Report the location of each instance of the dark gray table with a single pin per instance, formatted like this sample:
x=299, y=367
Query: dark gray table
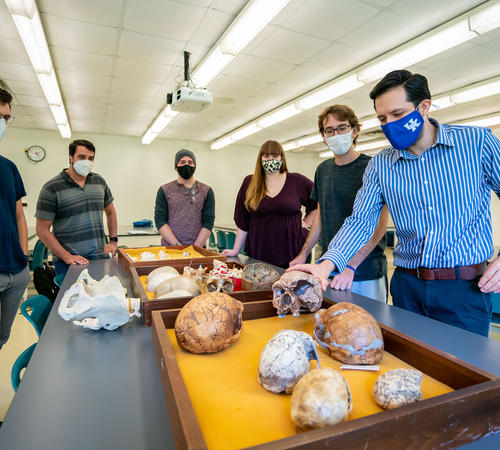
x=101, y=390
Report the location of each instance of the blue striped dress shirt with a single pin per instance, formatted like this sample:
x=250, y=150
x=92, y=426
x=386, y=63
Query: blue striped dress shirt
x=439, y=202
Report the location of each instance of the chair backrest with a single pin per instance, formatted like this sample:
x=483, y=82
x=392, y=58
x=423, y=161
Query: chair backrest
x=19, y=364
x=221, y=240
x=40, y=253
x=40, y=309
x=59, y=279
x=230, y=238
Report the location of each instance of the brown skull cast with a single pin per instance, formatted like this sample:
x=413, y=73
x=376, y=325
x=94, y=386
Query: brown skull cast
x=350, y=333
x=295, y=290
x=209, y=323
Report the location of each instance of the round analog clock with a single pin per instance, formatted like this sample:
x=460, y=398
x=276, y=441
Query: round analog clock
x=35, y=153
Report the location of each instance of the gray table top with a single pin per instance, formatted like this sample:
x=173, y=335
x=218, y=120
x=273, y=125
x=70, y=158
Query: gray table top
x=99, y=389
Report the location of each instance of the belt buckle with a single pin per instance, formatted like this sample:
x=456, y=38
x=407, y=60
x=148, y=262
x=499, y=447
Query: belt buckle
x=418, y=273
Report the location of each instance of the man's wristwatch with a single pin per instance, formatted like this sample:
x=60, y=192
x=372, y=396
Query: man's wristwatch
x=113, y=239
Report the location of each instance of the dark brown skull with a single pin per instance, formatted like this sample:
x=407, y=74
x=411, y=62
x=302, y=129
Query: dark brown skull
x=295, y=290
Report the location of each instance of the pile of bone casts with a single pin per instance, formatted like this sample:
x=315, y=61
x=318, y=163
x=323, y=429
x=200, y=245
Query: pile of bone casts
x=321, y=397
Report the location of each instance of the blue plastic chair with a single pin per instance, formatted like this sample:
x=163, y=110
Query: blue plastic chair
x=40, y=253
x=40, y=309
x=21, y=363
x=221, y=240
x=59, y=279
x=230, y=238
x=212, y=245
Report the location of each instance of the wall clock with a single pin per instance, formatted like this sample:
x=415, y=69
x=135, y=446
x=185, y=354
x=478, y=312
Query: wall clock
x=36, y=153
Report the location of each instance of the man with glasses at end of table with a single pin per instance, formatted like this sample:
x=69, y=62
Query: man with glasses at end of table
x=14, y=273
x=336, y=182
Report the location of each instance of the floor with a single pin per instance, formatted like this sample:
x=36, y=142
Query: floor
x=23, y=335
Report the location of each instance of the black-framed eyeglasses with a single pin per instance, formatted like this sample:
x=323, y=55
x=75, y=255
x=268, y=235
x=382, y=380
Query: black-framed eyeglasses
x=341, y=129
x=8, y=119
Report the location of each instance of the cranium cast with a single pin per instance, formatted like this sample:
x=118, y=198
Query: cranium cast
x=158, y=276
x=98, y=304
x=320, y=399
x=295, y=290
x=209, y=323
x=398, y=387
x=350, y=333
x=181, y=282
x=285, y=360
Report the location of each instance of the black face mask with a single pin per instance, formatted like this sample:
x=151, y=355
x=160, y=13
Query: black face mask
x=186, y=171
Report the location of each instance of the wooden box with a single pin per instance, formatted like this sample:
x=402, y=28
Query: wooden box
x=147, y=305
x=127, y=262
x=470, y=412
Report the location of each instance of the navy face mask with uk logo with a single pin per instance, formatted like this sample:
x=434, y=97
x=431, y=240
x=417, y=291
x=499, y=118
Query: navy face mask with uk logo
x=403, y=133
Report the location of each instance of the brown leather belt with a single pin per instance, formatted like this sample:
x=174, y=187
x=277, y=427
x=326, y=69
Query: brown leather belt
x=453, y=273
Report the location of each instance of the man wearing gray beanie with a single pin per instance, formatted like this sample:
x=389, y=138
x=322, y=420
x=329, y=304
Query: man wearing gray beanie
x=185, y=208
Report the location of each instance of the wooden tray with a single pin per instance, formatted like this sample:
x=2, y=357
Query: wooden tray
x=208, y=256
x=468, y=413
x=148, y=305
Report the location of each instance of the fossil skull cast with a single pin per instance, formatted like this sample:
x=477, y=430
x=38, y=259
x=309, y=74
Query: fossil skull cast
x=350, y=333
x=285, y=360
x=295, y=290
x=98, y=304
x=209, y=323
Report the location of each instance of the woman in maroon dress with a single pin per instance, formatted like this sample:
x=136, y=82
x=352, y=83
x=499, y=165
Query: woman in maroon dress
x=268, y=209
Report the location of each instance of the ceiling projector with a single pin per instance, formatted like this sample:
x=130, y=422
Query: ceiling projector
x=189, y=97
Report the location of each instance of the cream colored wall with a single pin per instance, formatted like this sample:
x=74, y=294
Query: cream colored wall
x=134, y=171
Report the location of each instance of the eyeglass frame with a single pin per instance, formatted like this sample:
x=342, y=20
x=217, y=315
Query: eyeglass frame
x=8, y=120
x=336, y=130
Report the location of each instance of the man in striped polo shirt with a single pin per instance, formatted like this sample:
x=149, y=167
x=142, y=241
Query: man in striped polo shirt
x=436, y=181
x=72, y=203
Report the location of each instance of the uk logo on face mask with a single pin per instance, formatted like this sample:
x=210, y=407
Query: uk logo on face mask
x=412, y=125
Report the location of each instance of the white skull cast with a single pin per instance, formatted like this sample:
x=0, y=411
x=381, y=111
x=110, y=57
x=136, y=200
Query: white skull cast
x=295, y=290
x=98, y=304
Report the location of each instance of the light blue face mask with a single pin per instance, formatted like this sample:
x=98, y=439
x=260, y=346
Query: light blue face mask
x=403, y=133
x=3, y=127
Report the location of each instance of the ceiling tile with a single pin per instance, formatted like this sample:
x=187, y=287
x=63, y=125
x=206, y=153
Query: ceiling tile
x=331, y=19
x=134, y=88
x=17, y=72
x=25, y=88
x=93, y=11
x=165, y=18
x=131, y=69
x=78, y=80
x=144, y=47
x=87, y=37
x=38, y=102
x=211, y=27
x=260, y=69
x=290, y=47
x=229, y=85
x=13, y=51
x=78, y=61
x=8, y=29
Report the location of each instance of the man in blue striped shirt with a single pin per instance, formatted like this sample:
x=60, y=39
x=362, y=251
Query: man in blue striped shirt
x=436, y=181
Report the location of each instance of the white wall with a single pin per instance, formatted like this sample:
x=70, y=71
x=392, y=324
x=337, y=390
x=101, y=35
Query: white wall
x=134, y=171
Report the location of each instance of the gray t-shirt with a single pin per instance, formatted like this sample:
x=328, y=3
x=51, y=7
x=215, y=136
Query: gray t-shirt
x=335, y=188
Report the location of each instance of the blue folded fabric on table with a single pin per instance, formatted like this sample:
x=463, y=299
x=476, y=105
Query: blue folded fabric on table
x=143, y=223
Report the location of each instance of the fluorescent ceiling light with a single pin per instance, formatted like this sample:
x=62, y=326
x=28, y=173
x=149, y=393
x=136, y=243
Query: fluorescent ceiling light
x=289, y=146
x=245, y=131
x=278, y=116
x=221, y=143
x=369, y=123
x=326, y=154
x=27, y=19
x=442, y=102
x=148, y=137
x=436, y=43
x=476, y=92
x=160, y=122
x=211, y=66
x=250, y=22
x=314, y=139
x=65, y=130
x=373, y=144
x=483, y=122
x=333, y=90
x=486, y=20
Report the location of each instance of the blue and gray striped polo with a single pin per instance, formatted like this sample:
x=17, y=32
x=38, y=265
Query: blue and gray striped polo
x=76, y=212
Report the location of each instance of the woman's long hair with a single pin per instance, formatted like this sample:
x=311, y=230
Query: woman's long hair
x=257, y=188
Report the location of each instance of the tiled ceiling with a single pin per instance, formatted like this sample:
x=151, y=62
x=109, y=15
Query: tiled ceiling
x=116, y=60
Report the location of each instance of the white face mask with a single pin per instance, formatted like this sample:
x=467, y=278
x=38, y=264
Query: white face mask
x=3, y=126
x=339, y=144
x=83, y=167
